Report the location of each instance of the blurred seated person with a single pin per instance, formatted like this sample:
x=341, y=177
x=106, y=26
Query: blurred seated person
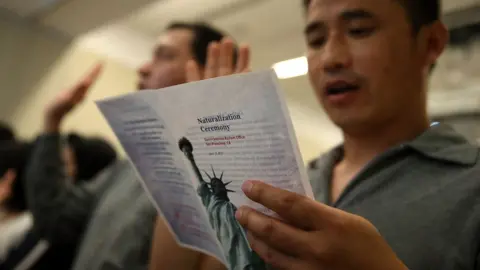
x=21, y=246
x=85, y=157
x=15, y=220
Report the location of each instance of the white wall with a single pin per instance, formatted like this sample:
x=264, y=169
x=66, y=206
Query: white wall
x=26, y=53
x=73, y=64
x=35, y=65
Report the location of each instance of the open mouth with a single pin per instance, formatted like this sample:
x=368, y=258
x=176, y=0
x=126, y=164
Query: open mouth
x=340, y=88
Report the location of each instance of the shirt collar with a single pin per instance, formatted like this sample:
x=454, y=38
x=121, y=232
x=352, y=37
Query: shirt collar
x=441, y=142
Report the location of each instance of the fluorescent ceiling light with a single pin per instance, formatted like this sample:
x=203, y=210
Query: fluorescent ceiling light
x=291, y=68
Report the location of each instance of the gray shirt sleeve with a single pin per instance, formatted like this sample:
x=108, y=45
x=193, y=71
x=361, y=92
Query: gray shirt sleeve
x=61, y=211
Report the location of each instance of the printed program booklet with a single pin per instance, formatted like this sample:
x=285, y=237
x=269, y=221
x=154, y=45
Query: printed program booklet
x=193, y=146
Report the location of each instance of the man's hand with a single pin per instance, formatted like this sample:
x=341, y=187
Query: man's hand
x=312, y=235
x=68, y=99
x=220, y=62
x=6, y=185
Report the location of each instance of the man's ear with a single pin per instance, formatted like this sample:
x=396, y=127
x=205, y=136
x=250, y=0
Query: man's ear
x=436, y=39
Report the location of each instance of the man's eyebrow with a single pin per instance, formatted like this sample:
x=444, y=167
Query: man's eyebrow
x=356, y=14
x=162, y=48
x=313, y=26
x=347, y=15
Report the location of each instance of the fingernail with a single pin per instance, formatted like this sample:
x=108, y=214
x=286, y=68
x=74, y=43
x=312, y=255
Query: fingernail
x=238, y=214
x=247, y=186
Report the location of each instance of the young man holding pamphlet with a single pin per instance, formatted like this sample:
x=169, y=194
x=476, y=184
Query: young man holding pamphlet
x=398, y=193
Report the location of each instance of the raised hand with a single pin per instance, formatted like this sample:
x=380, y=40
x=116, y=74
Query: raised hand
x=66, y=100
x=6, y=184
x=312, y=235
x=220, y=61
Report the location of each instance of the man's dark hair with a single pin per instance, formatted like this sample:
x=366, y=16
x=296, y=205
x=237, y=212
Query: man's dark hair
x=420, y=12
x=92, y=155
x=6, y=132
x=15, y=155
x=203, y=35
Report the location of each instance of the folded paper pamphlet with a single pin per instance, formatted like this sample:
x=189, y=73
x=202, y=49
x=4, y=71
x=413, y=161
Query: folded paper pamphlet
x=193, y=145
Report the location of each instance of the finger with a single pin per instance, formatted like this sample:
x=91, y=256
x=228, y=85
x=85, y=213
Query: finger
x=80, y=90
x=3, y=195
x=243, y=61
x=298, y=210
x=273, y=232
x=9, y=177
x=91, y=77
x=211, y=66
x=193, y=71
x=94, y=73
x=272, y=256
x=6, y=183
x=226, y=57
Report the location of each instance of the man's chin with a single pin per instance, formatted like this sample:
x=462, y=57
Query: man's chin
x=354, y=125
x=345, y=119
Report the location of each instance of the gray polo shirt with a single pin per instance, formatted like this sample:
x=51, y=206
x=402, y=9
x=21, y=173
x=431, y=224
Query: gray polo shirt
x=423, y=196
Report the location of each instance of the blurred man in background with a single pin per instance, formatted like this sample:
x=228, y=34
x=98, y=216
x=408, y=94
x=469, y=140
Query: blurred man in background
x=398, y=194
x=111, y=217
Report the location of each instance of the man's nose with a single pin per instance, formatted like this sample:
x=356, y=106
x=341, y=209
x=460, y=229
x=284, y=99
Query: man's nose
x=145, y=69
x=336, y=55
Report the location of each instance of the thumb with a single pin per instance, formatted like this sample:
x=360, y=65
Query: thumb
x=296, y=209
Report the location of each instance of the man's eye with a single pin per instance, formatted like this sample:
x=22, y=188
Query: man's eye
x=165, y=55
x=361, y=31
x=316, y=42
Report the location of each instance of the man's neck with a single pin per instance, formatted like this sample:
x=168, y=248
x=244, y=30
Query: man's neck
x=361, y=148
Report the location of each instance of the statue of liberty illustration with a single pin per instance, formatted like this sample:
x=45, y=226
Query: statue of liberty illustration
x=221, y=212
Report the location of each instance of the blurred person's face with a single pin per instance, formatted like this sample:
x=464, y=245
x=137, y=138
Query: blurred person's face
x=69, y=161
x=167, y=66
x=365, y=63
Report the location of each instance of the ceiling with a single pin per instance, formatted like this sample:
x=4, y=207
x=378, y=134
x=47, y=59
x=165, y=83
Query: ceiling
x=126, y=33
x=29, y=8
x=72, y=17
